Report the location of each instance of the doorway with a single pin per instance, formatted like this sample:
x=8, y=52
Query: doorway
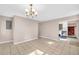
x=68, y=30
x=71, y=31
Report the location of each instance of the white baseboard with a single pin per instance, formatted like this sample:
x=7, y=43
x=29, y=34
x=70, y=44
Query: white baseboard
x=44, y=37
x=5, y=42
x=15, y=43
x=48, y=38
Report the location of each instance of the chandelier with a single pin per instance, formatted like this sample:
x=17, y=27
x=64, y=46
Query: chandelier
x=31, y=12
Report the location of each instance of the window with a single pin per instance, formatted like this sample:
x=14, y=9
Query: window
x=8, y=24
x=60, y=26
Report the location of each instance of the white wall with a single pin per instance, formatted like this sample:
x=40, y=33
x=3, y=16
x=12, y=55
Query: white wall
x=64, y=27
x=5, y=35
x=24, y=29
x=49, y=29
x=77, y=29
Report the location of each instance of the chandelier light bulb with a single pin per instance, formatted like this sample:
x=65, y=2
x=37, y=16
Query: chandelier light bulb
x=31, y=11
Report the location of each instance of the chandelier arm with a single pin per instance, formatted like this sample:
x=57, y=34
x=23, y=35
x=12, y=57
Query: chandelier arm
x=31, y=12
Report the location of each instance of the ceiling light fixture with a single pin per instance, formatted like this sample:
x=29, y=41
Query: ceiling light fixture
x=31, y=12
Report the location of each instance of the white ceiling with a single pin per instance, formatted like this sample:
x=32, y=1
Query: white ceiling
x=45, y=11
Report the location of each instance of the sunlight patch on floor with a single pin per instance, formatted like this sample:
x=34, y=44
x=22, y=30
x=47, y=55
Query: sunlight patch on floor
x=37, y=52
x=50, y=43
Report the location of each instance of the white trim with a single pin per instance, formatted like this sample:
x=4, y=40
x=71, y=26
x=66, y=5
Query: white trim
x=15, y=43
x=44, y=37
x=5, y=42
x=48, y=38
